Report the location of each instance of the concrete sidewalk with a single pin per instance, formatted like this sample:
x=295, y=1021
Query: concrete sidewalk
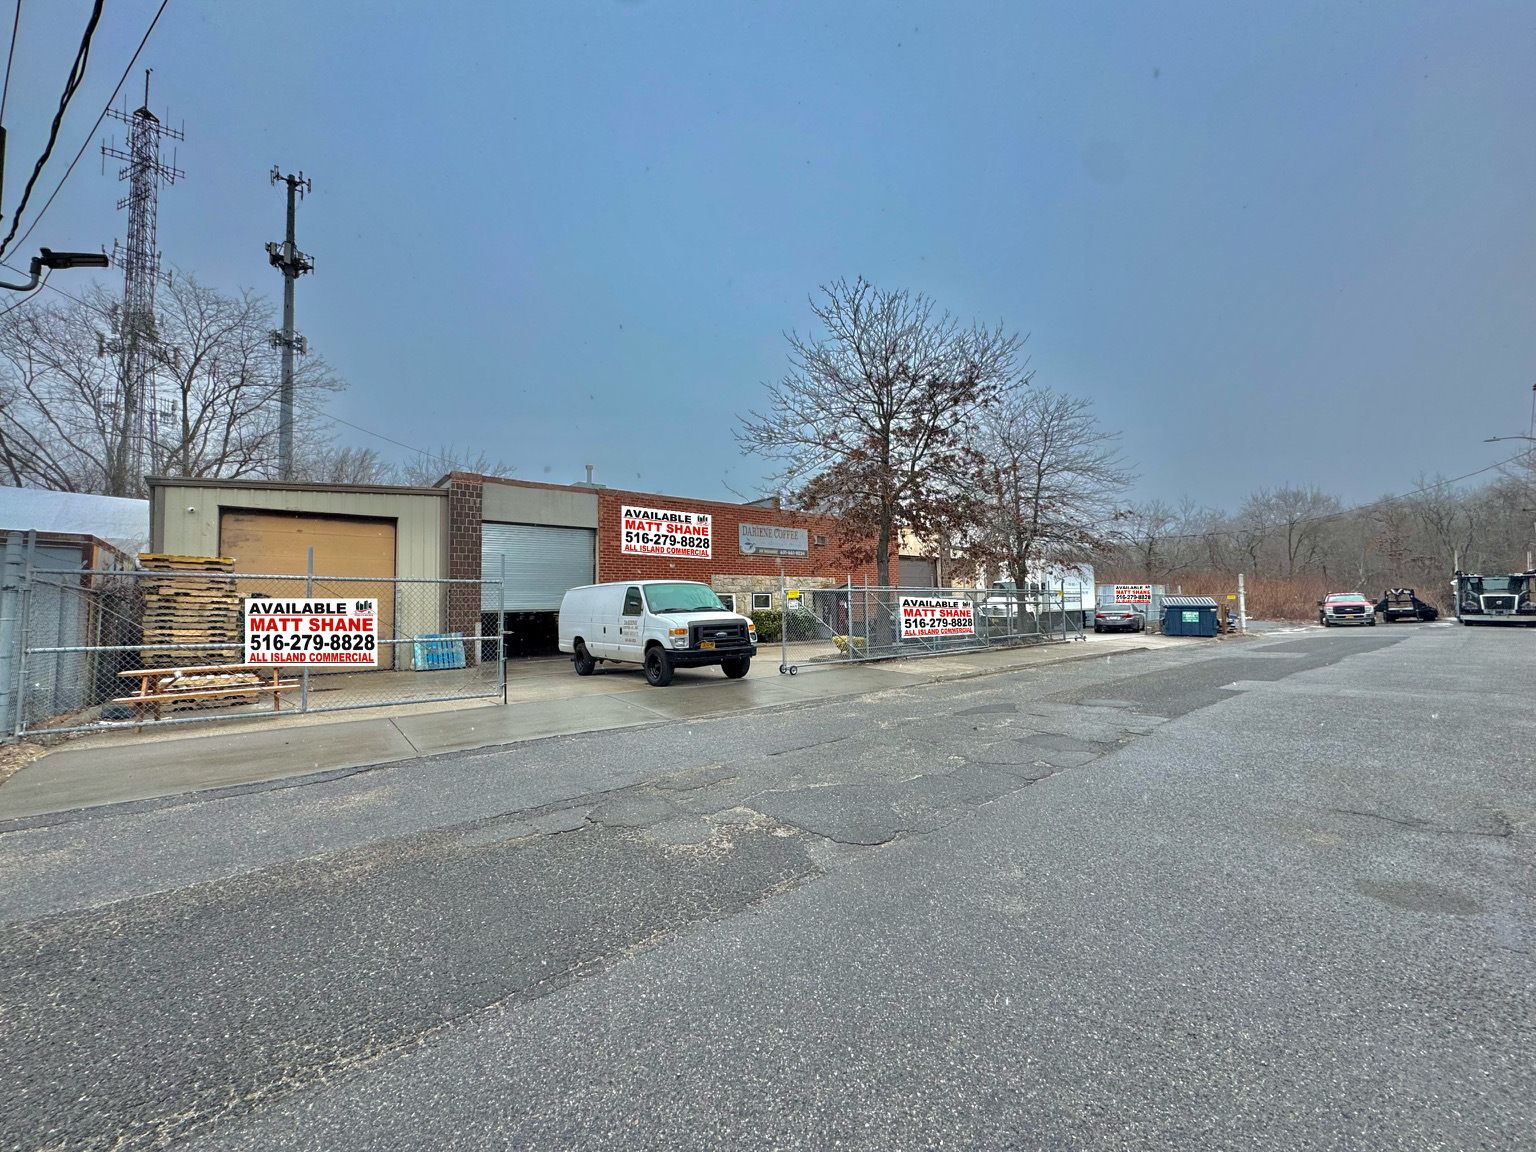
x=544, y=698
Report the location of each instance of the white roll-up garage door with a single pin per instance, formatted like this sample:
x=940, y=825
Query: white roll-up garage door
x=542, y=562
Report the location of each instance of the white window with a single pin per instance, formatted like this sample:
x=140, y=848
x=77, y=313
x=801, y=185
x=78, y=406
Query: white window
x=761, y=600
x=728, y=599
x=821, y=541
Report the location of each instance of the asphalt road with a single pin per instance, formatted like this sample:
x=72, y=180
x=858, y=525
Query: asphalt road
x=1267, y=894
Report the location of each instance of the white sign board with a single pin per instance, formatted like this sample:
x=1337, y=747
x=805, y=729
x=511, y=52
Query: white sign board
x=1133, y=593
x=309, y=631
x=771, y=540
x=657, y=532
x=923, y=616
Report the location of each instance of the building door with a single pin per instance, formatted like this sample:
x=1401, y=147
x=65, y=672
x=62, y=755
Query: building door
x=542, y=561
x=917, y=572
x=278, y=543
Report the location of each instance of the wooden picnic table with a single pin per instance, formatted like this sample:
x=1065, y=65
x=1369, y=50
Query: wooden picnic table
x=150, y=694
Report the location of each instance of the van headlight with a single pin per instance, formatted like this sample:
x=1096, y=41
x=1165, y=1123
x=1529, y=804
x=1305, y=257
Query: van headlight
x=679, y=637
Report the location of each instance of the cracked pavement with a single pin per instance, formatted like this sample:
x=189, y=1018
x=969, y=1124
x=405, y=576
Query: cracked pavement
x=1268, y=894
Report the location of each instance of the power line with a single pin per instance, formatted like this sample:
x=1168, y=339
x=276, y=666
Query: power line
x=313, y=407
x=71, y=84
x=10, y=56
x=91, y=135
x=1180, y=536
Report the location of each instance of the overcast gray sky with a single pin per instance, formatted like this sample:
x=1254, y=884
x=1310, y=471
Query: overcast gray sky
x=1275, y=242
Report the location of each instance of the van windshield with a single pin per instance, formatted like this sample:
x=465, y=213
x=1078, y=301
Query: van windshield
x=682, y=598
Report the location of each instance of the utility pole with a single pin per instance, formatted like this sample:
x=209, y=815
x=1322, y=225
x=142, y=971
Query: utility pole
x=134, y=407
x=292, y=263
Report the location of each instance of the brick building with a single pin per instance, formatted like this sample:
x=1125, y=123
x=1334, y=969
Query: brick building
x=549, y=537
x=536, y=540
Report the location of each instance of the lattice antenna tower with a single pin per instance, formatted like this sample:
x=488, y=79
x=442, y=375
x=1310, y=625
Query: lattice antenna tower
x=135, y=404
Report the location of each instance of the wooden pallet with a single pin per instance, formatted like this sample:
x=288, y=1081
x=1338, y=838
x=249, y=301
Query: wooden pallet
x=164, y=562
x=196, y=602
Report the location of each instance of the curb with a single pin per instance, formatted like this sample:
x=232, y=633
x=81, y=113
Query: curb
x=325, y=776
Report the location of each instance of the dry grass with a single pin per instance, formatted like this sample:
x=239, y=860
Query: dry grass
x=1268, y=599
x=15, y=757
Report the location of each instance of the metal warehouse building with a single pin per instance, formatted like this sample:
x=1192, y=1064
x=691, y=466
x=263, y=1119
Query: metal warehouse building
x=544, y=537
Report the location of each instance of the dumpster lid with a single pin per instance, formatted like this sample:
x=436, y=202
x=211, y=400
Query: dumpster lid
x=1188, y=602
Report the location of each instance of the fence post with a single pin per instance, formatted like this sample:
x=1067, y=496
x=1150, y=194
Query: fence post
x=24, y=630
x=868, y=638
x=501, y=627
x=1242, y=605
x=849, y=602
x=309, y=591
x=783, y=621
x=396, y=662
x=10, y=611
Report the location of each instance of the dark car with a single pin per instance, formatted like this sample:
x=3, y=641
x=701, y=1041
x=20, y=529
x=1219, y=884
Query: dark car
x=1119, y=618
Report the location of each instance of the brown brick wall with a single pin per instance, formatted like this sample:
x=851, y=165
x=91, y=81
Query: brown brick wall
x=726, y=558
x=464, y=503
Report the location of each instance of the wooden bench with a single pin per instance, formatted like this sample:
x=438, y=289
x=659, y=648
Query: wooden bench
x=152, y=695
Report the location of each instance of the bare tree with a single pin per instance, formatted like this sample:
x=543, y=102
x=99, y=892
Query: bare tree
x=870, y=422
x=426, y=468
x=1048, y=475
x=217, y=389
x=1296, y=518
x=344, y=465
x=1145, y=538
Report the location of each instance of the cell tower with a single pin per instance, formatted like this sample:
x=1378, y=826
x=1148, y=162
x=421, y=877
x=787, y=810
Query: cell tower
x=135, y=405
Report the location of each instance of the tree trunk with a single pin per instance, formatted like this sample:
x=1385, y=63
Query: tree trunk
x=883, y=550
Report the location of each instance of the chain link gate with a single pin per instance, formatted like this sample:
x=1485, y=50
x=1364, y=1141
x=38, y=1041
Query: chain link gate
x=825, y=627
x=76, y=645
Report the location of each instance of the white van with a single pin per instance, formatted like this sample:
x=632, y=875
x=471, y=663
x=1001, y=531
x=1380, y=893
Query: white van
x=661, y=624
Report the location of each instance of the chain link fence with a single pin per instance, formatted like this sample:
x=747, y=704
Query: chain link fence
x=76, y=648
x=824, y=627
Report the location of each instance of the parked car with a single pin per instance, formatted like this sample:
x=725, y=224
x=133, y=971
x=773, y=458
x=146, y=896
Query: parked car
x=661, y=625
x=1119, y=618
x=1346, y=608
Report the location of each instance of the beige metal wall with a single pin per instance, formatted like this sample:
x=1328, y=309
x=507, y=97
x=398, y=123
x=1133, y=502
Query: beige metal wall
x=184, y=516
x=513, y=503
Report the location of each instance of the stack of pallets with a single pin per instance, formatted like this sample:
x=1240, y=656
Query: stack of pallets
x=198, y=605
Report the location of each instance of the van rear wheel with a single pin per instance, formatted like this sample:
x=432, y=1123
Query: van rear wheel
x=584, y=661
x=658, y=667
x=736, y=669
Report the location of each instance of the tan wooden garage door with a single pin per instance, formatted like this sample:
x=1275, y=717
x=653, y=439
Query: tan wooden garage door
x=278, y=543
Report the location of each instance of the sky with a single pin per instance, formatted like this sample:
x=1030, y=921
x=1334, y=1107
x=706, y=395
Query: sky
x=1274, y=243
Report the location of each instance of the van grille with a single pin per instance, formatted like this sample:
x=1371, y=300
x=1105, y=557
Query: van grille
x=724, y=634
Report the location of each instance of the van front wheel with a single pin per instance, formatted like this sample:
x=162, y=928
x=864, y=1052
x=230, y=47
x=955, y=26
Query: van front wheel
x=736, y=669
x=584, y=661
x=658, y=667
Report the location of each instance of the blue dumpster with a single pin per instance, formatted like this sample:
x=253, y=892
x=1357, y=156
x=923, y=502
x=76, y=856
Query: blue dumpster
x=1189, y=616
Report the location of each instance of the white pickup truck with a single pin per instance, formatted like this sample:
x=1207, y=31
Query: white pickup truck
x=1346, y=608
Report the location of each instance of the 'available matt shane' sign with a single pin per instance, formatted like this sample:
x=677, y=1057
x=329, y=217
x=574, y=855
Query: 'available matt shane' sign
x=655, y=532
x=935, y=616
x=312, y=632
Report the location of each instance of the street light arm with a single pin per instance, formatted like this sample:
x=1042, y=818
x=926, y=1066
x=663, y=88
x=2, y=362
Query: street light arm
x=1496, y=439
x=36, y=270
x=50, y=259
